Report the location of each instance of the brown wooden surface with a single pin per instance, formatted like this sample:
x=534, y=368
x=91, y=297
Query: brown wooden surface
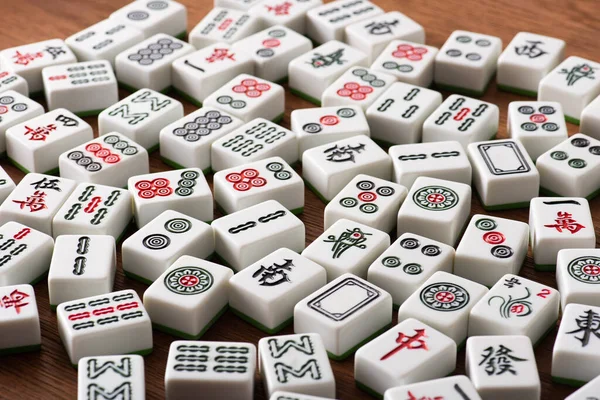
x=48, y=374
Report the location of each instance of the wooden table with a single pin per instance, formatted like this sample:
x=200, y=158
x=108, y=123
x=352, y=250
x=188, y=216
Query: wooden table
x=48, y=373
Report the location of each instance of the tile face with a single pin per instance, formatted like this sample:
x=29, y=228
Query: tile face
x=107, y=160
x=397, y=116
x=256, y=140
x=186, y=143
x=451, y=388
x=371, y=36
x=587, y=392
x=408, y=61
x=210, y=368
x=28, y=60
x=242, y=5
x=573, y=84
x=490, y=248
x=265, y=293
x=223, y=25
x=526, y=60
x=250, y=184
x=19, y=319
x=463, y=119
x=578, y=276
x=35, y=145
x=147, y=64
x=467, y=62
x=35, y=201
x=104, y=41
x=114, y=323
x=557, y=223
x=407, y=263
x=12, y=81
x=590, y=119
x=282, y=395
x=516, y=306
x=7, y=185
x=435, y=208
x=246, y=236
x=501, y=366
x=15, y=109
x=140, y=117
x=289, y=13
x=347, y=312
x=409, y=352
x=82, y=266
x=347, y=247
x=311, y=73
x=328, y=22
x=371, y=201
x=111, y=376
x=444, y=301
x=571, y=168
x=154, y=16
x=188, y=297
x=442, y=160
x=330, y=167
x=297, y=363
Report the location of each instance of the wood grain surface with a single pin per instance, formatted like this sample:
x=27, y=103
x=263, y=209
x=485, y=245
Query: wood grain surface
x=48, y=374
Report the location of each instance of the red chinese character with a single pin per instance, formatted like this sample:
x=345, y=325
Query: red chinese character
x=414, y=342
x=35, y=202
x=25, y=59
x=220, y=55
x=14, y=299
x=39, y=133
x=281, y=9
x=564, y=220
x=413, y=397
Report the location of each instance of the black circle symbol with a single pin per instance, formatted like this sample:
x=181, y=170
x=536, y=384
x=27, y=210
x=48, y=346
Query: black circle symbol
x=238, y=104
x=473, y=56
x=312, y=127
x=577, y=163
x=348, y=202
x=346, y=112
x=178, y=225
x=365, y=185
x=5, y=100
x=157, y=5
x=75, y=155
x=274, y=166
x=463, y=39
x=93, y=167
x=265, y=53
x=283, y=175
x=156, y=241
x=138, y=15
x=483, y=42
x=529, y=126
x=501, y=251
x=224, y=99
x=391, y=262
x=410, y=243
x=405, y=68
x=19, y=107
x=190, y=175
x=486, y=224
x=360, y=72
x=595, y=150
x=277, y=33
x=559, y=155
x=111, y=139
x=129, y=151
x=412, y=269
x=369, y=208
x=184, y=191
x=550, y=127
x=454, y=53
x=527, y=110
x=186, y=183
x=431, y=250
x=580, y=142
x=385, y=191
x=547, y=110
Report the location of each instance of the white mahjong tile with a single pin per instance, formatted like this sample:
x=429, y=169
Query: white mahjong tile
x=111, y=376
x=457, y=387
x=154, y=16
x=11, y=81
x=290, y=13
x=15, y=108
x=223, y=25
x=19, y=320
x=409, y=62
x=577, y=276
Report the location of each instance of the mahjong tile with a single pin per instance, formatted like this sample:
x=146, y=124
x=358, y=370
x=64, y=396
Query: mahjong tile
x=409, y=62
x=7, y=185
x=107, y=160
x=407, y=263
x=84, y=88
x=588, y=392
x=189, y=297
x=272, y=50
x=28, y=61
x=246, y=236
x=289, y=13
x=185, y=191
x=109, y=324
x=264, y=294
x=578, y=276
x=372, y=35
x=357, y=86
x=435, y=208
x=255, y=140
x=36, y=144
x=371, y=201
x=573, y=84
x=311, y=73
x=155, y=247
x=347, y=312
x=466, y=62
x=326, y=169
x=397, y=116
x=282, y=395
x=409, y=352
x=457, y=387
x=463, y=119
x=154, y=16
x=223, y=25
x=557, y=223
x=140, y=117
x=490, y=248
x=11, y=81
x=94, y=210
x=147, y=64
x=249, y=184
x=15, y=108
x=297, y=363
x=526, y=60
x=442, y=160
x=503, y=367
x=516, y=306
x=444, y=301
x=242, y=5
x=81, y=266
x=538, y=125
x=347, y=247
x=571, y=168
x=248, y=97
x=111, y=376
x=322, y=125
x=35, y=201
x=328, y=22
x=212, y=369
x=590, y=119
x=19, y=320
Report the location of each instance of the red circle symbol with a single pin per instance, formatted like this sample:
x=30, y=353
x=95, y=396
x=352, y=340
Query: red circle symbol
x=233, y=177
x=112, y=158
x=367, y=196
x=160, y=182
x=250, y=173
x=239, y=89
x=242, y=186
x=263, y=87
x=143, y=185
x=164, y=191
x=445, y=297
x=258, y=182
x=189, y=280
x=253, y=93
x=493, y=237
x=3, y=109
x=329, y=120
x=249, y=82
x=409, y=52
x=591, y=270
x=271, y=43
x=93, y=147
x=436, y=198
x=103, y=153
x=538, y=118
x=146, y=194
